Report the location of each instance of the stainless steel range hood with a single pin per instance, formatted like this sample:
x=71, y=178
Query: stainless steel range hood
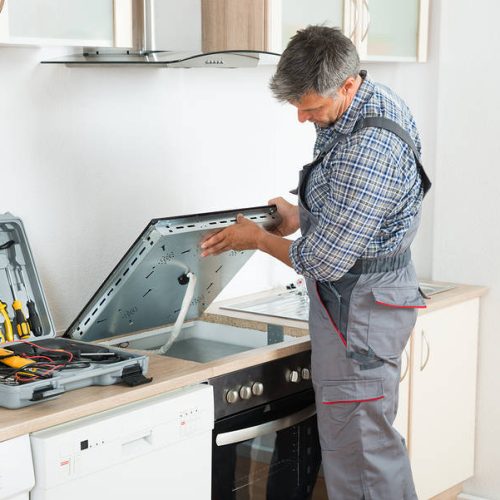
x=165, y=33
x=167, y=59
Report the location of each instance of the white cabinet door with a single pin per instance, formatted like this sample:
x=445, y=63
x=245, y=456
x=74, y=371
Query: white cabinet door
x=389, y=30
x=288, y=16
x=60, y=22
x=441, y=439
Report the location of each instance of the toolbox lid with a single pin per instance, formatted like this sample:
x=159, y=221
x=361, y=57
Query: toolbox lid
x=146, y=288
x=19, y=276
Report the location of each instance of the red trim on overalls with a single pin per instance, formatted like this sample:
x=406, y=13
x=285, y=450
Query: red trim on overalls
x=398, y=306
x=339, y=333
x=352, y=401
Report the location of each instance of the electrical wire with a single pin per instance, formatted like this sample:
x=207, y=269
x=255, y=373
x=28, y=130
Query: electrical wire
x=46, y=362
x=179, y=322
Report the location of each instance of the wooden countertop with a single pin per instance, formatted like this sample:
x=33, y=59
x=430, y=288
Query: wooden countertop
x=171, y=373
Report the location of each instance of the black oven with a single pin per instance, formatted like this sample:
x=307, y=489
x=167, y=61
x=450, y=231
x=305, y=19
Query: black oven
x=265, y=439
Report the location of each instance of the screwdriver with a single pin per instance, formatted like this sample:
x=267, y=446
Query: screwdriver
x=21, y=325
x=9, y=336
x=33, y=318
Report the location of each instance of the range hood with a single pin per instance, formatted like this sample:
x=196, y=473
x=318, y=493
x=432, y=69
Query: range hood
x=168, y=59
x=170, y=33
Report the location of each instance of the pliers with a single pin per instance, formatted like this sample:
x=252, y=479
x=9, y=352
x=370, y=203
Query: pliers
x=9, y=335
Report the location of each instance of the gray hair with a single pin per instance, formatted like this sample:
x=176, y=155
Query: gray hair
x=318, y=59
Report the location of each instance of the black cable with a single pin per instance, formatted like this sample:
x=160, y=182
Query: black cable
x=6, y=245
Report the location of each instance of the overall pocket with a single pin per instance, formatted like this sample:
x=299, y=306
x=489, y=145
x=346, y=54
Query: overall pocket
x=350, y=411
x=392, y=317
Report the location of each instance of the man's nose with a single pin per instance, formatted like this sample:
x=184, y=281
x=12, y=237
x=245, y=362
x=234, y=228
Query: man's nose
x=302, y=116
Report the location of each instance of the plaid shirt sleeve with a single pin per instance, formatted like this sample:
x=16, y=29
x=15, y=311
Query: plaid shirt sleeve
x=364, y=186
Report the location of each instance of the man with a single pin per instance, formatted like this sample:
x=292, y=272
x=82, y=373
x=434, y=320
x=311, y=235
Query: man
x=358, y=210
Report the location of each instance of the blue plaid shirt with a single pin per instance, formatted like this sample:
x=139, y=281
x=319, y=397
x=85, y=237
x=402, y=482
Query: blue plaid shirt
x=365, y=193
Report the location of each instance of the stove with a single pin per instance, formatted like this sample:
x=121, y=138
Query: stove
x=265, y=438
x=156, y=295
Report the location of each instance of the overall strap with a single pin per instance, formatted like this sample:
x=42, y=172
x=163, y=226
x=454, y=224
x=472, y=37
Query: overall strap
x=395, y=128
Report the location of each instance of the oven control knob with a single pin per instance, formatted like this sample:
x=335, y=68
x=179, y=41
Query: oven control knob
x=306, y=374
x=232, y=396
x=257, y=389
x=245, y=392
x=295, y=376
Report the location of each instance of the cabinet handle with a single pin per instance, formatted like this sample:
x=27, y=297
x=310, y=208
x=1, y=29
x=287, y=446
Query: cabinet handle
x=368, y=22
x=407, y=366
x=424, y=339
x=356, y=18
x=1, y=5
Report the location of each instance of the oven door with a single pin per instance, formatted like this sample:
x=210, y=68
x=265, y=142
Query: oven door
x=270, y=452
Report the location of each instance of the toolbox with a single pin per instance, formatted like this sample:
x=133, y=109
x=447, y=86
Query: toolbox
x=35, y=365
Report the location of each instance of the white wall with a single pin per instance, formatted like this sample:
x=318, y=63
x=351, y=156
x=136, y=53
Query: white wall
x=466, y=229
x=98, y=152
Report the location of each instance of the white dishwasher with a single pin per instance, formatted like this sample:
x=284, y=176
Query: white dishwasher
x=157, y=448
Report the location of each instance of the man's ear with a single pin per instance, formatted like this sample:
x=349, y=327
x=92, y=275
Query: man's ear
x=348, y=85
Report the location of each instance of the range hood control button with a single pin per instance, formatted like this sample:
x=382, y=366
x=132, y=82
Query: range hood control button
x=245, y=392
x=306, y=374
x=295, y=376
x=257, y=389
x=232, y=396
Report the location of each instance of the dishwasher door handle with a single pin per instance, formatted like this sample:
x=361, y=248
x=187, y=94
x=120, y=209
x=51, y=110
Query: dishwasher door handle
x=137, y=444
x=279, y=424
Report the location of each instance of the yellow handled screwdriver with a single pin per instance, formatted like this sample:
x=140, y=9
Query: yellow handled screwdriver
x=21, y=325
x=9, y=335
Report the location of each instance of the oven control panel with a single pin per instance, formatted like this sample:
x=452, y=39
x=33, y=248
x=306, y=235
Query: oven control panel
x=256, y=385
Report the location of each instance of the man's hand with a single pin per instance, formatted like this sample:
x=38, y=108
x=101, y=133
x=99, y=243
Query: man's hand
x=244, y=235
x=289, y=217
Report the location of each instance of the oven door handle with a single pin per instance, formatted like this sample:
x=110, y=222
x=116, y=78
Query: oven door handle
x=261, y=430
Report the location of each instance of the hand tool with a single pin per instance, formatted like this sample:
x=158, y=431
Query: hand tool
x=21, y=325
x=33, y=318
x=9, y=358
x=9, y=335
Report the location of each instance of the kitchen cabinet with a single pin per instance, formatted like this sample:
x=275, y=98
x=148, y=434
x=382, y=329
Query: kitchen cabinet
x=382, y=30
x=17, y=476
x=95, y=23
x=263, y=24
x=443, y=397
x=388, y=30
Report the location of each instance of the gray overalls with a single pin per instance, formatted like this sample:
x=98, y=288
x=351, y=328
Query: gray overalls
x=359, y=327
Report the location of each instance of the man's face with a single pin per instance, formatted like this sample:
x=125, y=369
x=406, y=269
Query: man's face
x=321, y=111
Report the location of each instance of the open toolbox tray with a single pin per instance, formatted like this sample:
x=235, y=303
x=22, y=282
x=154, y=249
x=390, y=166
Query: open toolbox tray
x=35, y=365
